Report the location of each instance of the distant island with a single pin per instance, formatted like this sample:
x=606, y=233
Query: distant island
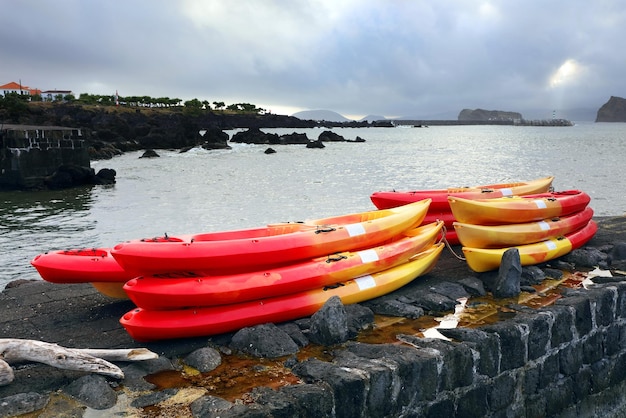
x=489, y=115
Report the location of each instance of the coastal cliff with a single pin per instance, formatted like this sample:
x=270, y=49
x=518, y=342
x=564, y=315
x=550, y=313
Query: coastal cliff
x=133, y=128
x=612, y=111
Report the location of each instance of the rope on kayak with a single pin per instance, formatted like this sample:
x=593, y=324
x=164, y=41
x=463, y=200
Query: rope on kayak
x=448, y=246
x=335, y=257
x=333, y=286
x=324, y=228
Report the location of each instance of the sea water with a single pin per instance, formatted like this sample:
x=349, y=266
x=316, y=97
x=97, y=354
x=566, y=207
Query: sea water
x=204, y=191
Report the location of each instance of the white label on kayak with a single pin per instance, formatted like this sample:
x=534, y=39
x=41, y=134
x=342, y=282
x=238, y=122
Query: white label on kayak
x=506, y=192
x=551, y=245
x=544, y=226
x=541, y=204
x=368, y=256
x=365, y=282
x=355, y=229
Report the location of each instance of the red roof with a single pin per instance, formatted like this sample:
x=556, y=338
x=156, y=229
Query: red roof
x=13, y=86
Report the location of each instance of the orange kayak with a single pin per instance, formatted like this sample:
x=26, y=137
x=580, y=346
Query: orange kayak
x=251, y=249
x=179, y=290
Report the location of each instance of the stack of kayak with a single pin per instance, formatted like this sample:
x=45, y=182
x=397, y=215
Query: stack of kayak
x=440, y=207
x=205, y=284
x=542, y=227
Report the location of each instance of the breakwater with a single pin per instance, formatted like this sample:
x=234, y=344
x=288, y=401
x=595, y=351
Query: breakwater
x=506, y=122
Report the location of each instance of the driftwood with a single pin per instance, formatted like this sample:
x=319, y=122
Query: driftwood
x=6, y=373
x=89, y=360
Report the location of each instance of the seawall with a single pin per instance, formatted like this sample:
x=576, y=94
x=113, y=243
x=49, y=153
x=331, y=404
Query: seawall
x=28, y=154
x=564, y=360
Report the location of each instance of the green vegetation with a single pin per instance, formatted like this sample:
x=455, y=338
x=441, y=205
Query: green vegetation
x=14, y=105
x=193, y=106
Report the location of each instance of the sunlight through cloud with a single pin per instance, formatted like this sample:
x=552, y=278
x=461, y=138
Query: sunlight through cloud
x=567, y=73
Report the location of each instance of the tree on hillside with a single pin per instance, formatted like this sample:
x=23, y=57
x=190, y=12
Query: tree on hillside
x=193, y=107
x=219, y=105
x=87, y=98
x=244, y=107
x=15, y=105
x=194, y=103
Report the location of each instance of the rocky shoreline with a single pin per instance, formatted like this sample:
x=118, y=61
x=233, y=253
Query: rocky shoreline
x=333, y=364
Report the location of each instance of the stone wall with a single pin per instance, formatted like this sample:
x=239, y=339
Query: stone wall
x=29, y=154
x=564, y=360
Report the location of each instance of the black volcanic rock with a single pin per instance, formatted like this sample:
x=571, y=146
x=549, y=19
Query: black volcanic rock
x=71, y=175
x=330, y=136
x=255, y=136
x=486, y=115
x=612, y=111
x=294, y=138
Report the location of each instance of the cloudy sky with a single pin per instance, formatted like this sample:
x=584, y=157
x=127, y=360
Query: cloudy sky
x=419, y=58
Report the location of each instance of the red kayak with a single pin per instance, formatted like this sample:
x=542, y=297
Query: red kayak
x=180, y=290
x=80, y=266
x=147, y=325
x=439, y=197
x=276, y=244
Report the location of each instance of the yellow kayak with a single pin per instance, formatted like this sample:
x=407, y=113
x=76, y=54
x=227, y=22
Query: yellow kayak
x=507, y=235
x=485, y=259
x=516, y=209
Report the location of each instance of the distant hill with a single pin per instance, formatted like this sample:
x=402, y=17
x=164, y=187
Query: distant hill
x=372, y=118
x=327, y=115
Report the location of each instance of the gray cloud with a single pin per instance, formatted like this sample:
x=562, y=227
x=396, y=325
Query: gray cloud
x=393, y=57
